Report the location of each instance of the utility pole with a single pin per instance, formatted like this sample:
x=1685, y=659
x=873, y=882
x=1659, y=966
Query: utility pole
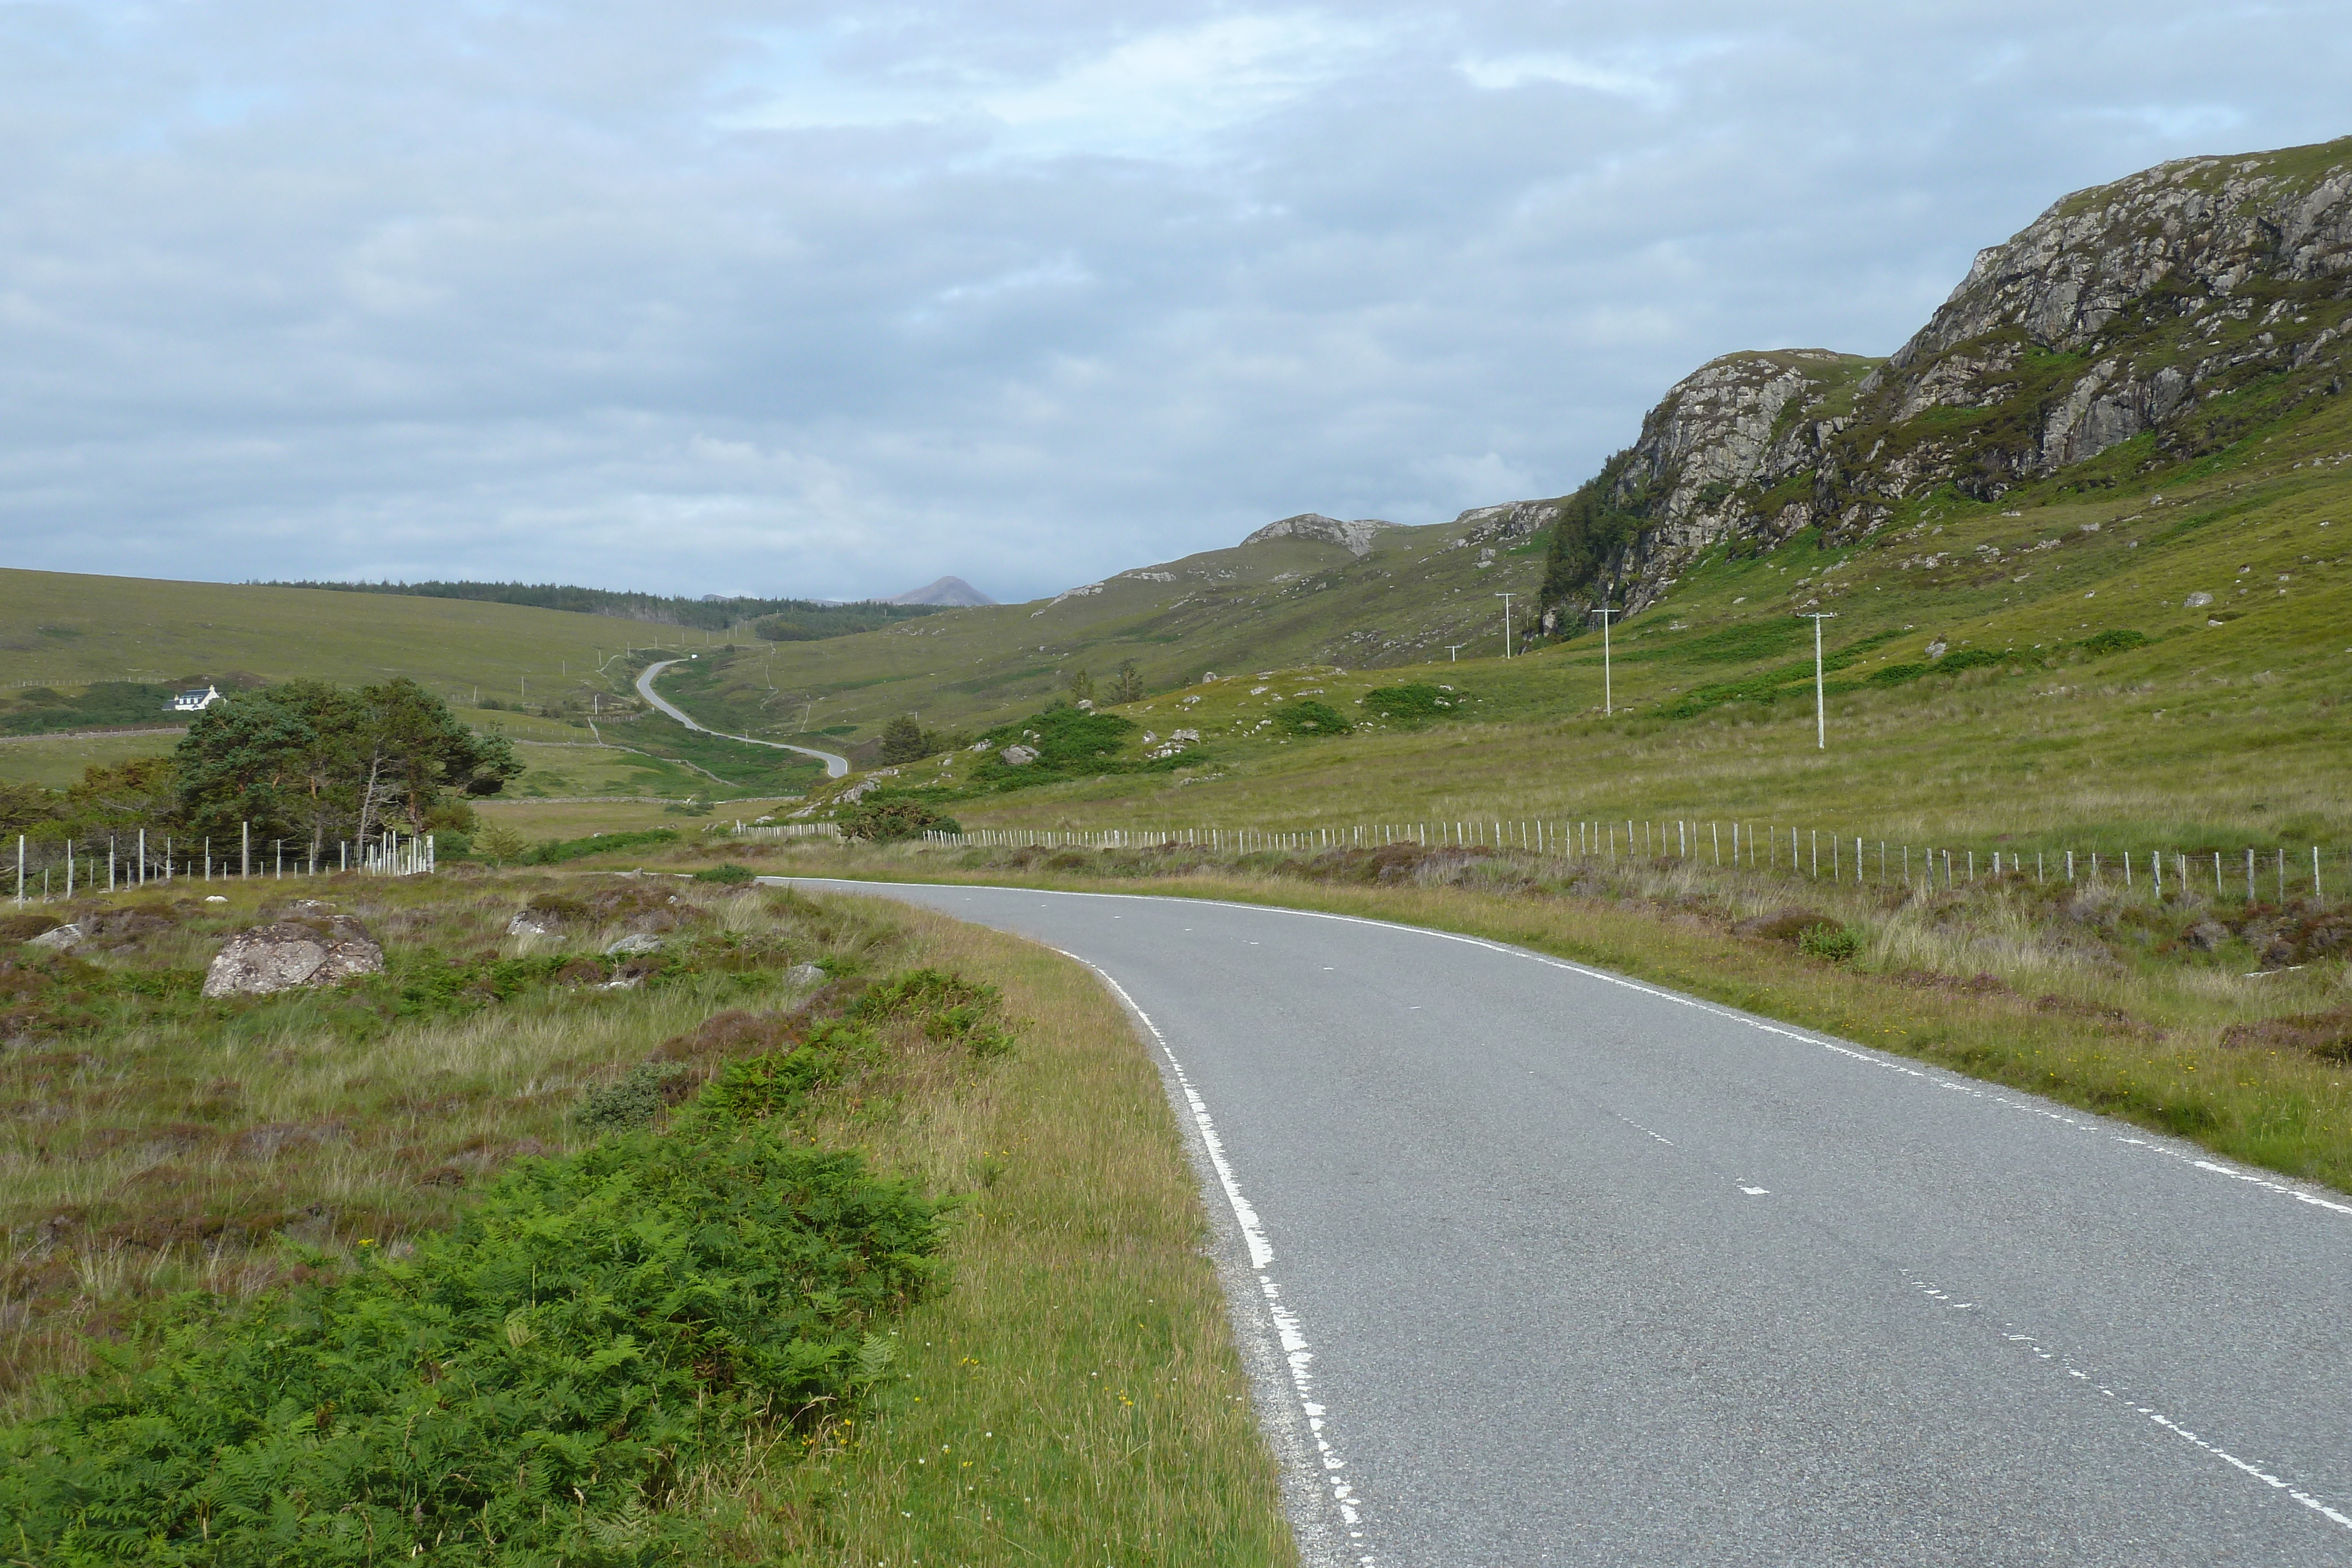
x=1506, y=599
x=1607, y=685
x=1821, y=711
x=1453, y=651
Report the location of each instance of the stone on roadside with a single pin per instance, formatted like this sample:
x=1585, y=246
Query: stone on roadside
x=287, y=954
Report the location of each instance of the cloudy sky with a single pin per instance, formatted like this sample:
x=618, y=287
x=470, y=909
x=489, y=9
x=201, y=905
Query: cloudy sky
x=829, y=299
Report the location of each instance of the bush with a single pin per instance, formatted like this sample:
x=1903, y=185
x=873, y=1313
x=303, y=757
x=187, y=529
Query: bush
x=1408, y=703
x=632, y=1103
x=555, y=851
x=729, y=875
x=889, y=819
x=2115, y=641
x=529, y=1387
x=1836, y=943
x=1309, y=718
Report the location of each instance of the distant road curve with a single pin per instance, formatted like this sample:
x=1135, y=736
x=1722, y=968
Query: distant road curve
x=835, y=766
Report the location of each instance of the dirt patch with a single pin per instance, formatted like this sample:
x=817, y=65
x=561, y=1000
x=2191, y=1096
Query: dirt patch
x=1788, y=925
x=1977, y=985
x=2113, y=1018
x=2327, y=1035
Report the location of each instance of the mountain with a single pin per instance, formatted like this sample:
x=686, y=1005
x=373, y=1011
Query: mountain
x=2130, y=328
x=951, y=592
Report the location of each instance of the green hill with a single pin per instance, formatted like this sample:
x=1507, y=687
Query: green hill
x=2081, y=537
x=81, y=652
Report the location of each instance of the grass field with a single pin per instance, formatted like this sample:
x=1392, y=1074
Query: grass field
x=1074, y=1359
x=56, y=761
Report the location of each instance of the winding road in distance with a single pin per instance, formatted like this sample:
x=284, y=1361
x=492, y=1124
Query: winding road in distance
x=1536, y=1264
x=835, y=765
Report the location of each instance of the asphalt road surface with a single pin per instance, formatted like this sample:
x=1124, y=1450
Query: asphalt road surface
x=835, y=765
x=1534, y=1264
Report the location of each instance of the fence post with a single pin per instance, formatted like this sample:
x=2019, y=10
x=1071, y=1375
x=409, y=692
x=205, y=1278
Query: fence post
x=243, y=849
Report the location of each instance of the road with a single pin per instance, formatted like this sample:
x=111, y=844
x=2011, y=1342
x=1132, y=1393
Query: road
x=835, y=765
x=1534, y=1264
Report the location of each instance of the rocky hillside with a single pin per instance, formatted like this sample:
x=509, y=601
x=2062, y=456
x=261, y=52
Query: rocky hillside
x=2130, y=328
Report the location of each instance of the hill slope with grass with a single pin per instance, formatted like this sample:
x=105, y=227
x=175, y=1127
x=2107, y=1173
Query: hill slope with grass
x=2060, y=610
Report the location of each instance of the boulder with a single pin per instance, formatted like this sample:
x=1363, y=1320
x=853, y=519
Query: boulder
x=1019, y=756
x=530, y=923
x=643, y=941
x=804, y=975
x=60, y=938
x=287, y=954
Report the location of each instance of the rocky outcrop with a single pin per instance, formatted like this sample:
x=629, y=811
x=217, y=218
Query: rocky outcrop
x=1355, y=537
x=2127, y=310
x=313, y=950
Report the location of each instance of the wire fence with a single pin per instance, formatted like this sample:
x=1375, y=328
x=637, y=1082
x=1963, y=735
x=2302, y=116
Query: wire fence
x=137, y=859
x=1814, y=853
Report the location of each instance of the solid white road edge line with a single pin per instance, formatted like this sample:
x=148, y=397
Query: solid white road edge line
x=1296, y=1352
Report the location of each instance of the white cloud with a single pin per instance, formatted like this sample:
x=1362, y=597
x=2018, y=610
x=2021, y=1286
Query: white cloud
x=747, y=293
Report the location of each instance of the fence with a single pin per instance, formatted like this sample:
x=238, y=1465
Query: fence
x=1746, y=845
x=787, y=829
x=131, y=860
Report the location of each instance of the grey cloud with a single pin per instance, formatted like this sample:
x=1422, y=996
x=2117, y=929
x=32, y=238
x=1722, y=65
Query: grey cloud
x=823, y=300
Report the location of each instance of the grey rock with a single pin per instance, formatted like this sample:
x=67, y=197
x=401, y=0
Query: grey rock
x=60, y=938
x=1192, y=735
x=1355, y=537
x=1019, y=756
x=2197, y=601
x=804, y=975
x=641, y=942
x=287, y=954
x=527, y=923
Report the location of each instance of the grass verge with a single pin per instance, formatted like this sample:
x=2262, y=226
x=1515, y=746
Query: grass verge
x=1065, y=1390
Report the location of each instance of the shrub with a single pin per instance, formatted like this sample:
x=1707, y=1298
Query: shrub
x=752, y=1088
x=529, y=1387
x=1837, y=944
x=1407, y=702
x=1309, y=718
x=729, y=875
x=891, y=818
x=555, y=851
x=630, y=1103
x=2115, y=641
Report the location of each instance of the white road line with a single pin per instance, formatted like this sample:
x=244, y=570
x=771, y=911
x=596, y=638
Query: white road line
x=1296, y=1352
x=2032, y=1346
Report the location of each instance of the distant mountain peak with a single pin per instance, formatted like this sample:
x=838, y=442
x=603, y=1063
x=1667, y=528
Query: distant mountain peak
x=953, y=591
x=1356, y=537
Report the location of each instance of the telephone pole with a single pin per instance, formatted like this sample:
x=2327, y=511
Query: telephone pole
x=1821, y=711
x=1608, y=694
x=1506, y=599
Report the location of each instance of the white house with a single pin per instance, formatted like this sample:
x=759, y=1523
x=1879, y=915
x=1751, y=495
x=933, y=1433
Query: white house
x=195, y=701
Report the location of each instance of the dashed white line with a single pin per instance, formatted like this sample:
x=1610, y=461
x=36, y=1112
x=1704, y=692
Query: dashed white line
x=2033, y=1345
